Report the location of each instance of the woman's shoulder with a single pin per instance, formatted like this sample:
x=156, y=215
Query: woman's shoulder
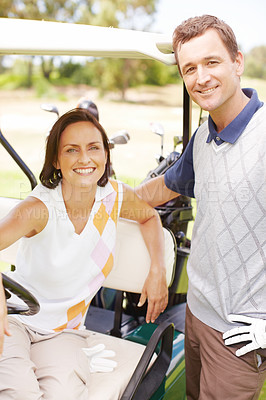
x=41, y=192
x=30, y=213
x=115, y=184
x=52, y=198
x=112, y=194
x=112, y=186
x=35, y=207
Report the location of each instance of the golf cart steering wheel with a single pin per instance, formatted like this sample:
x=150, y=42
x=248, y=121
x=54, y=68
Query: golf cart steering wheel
x=11, y=287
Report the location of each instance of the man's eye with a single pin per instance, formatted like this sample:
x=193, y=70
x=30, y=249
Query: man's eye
x=189, y=70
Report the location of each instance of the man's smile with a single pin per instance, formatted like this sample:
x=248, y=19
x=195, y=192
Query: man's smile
x=207, y=91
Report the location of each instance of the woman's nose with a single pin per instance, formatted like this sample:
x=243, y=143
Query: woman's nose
x=84, y=157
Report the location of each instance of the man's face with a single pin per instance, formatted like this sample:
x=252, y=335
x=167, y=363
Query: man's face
x=210, y=75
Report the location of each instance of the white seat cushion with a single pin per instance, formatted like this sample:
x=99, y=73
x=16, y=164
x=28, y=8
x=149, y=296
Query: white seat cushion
x=111, y=385
x=132, y=259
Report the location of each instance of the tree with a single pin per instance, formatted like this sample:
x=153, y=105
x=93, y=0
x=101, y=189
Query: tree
x=50, y=10
x=255, y=64
x=127, y=14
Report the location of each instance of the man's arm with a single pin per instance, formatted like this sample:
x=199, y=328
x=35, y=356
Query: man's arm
x=155, y=191
x=180, y=177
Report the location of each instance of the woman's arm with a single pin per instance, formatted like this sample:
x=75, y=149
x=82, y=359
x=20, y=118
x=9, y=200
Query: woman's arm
x=28, y=218
x=155, y=287
x=4, y=328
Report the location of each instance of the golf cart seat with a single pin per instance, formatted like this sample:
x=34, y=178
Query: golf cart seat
x=141, y=369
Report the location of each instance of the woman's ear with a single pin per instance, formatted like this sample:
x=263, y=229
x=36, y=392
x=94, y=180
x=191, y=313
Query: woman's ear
x=56, y=164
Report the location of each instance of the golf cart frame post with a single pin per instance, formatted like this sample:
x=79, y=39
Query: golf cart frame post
x=52, y=38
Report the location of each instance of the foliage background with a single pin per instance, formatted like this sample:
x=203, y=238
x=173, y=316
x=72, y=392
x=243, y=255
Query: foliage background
x=41, y=72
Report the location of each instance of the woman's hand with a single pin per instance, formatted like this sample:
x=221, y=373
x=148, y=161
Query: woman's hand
x=4, y=329
x=156, y=292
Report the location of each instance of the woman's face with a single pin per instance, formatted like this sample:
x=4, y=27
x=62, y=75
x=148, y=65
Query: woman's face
x=81, y=155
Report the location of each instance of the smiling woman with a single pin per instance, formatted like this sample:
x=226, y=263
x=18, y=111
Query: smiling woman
x=67, y=226
x=81, y=156
x=77, y=133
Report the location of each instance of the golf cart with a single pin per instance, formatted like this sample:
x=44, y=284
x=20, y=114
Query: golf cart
x=158, y=368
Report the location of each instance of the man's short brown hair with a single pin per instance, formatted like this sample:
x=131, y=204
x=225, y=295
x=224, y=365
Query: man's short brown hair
x=196, y=26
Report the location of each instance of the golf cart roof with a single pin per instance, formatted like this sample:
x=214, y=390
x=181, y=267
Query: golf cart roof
x=21, y=36
x=29, y=37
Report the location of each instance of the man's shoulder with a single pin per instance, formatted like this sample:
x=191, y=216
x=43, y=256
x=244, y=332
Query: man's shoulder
x=259, y=118
x=261, y=111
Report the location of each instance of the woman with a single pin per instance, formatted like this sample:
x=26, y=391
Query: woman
x=4, y=330
x=68, y=231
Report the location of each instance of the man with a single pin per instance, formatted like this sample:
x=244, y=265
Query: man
x=223, y=167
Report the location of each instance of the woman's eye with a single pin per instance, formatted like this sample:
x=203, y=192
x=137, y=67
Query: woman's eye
x=71, y=150
x=93, y=148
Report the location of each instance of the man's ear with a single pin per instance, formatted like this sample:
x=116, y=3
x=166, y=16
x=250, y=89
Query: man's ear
x=239, y=63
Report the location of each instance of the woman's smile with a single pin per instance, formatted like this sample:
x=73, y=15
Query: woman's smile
x=84, y=171
x=81, y=155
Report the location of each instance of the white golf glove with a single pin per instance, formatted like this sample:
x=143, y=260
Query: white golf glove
x=253, y=332
x=98, y=358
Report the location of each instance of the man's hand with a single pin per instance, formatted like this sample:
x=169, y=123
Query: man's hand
x=156, y=291
x=253, y=332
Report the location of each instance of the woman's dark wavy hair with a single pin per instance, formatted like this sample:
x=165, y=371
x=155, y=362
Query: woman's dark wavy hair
x=50, y=176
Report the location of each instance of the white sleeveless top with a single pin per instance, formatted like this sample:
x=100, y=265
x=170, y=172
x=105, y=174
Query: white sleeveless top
x=63, y=269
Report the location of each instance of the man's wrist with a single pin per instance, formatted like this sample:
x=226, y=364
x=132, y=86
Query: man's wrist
x=260, y=334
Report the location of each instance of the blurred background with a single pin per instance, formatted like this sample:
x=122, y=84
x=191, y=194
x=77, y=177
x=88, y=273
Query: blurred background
x=130, y=94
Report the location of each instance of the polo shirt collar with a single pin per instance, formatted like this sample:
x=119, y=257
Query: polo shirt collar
x=232, y=131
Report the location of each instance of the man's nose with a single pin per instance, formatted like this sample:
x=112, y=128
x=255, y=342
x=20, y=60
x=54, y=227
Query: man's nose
x=203, y=75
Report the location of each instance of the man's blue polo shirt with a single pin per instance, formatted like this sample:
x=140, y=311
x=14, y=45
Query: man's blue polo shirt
x=180, y=177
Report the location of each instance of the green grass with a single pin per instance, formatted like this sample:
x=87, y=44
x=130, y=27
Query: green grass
x=263, y=392
x=14, y=184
